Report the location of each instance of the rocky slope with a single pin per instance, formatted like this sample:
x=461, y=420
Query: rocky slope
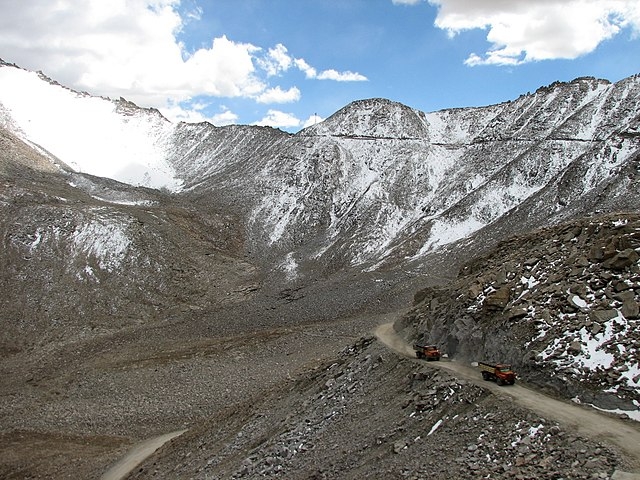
x=373, y=414
x=83, y=255
x=561, y=304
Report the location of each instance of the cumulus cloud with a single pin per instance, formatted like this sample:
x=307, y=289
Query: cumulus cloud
x=225, y=117
x=312, y=120
x=307, y=69
x=194, y=113
x=521, y=31
x=130, y=48
x=278, y=60
x=341, y=76
x=276, y=118
x=278, y=95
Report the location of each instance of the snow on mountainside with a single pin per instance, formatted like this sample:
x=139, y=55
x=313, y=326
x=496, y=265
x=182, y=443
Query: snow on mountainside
x=106, y=138
x=380, y=180
x=376, y=182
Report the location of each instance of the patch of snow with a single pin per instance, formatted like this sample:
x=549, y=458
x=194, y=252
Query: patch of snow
x=579, y=301
x=106, y=241
x=290, y=266
x=529, y=282
x=444, y=232
x=133, y=203
x=533, y=431
x=594, y=356
x=88, y=133
x=36, y=241
x=435, y=427
x=632, y=414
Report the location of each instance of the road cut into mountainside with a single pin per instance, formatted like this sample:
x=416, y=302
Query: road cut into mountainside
x=587, y=422
x=137, y=455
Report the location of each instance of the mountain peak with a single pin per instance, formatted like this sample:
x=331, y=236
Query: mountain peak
x=373, y=118
x=582, y=83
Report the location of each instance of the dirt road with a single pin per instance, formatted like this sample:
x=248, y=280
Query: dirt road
x=586, y=422
x=137, y=455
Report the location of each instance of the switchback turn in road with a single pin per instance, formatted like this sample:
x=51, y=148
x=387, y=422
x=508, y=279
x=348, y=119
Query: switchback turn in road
x=586, y=422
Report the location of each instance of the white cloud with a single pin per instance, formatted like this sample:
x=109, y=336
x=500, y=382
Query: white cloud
x=341, y=76
x=193, y=113
x=330, y=74
x=307, y=69
x=523, y=31
x=312, y=120
x=124, y=48
x=276, y=118
x=277, y=60
x=277, y=95
x=406, y=2
x=225, y=117
x=224, y=70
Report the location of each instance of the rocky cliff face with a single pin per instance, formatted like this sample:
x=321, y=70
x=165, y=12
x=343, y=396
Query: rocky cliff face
x=561, y=304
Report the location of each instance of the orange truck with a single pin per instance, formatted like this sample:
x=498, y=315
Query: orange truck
x=500, y=372
x=429, y=352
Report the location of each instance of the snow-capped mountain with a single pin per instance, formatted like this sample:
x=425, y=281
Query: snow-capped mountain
x=375, y=182
x=102, y=137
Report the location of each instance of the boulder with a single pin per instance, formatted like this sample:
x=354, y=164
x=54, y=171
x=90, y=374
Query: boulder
x=621, y=286
x=475, y=290
x=574, y=347
x=596, y=328
x=622, y=260
x=596, y=253
x=628, y=295
x=498, y=299
x=602, y=316
x=630, y=309
x=516, y=313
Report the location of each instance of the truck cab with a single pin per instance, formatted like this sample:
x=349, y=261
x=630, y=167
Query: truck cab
x=428, y=352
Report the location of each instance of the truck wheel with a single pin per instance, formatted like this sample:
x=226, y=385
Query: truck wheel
x=485, y=376
x=419, y=355
x=500, y=382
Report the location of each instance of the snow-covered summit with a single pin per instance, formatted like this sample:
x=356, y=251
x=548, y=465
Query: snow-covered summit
x=92, y=135
x=373, y=118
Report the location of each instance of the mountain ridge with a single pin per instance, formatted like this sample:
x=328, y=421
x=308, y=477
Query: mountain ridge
x=414, y=181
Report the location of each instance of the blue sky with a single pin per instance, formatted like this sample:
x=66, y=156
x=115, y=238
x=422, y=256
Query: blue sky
x=281, y=62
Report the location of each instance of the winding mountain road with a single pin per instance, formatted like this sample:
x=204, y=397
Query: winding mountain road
x=589, y=423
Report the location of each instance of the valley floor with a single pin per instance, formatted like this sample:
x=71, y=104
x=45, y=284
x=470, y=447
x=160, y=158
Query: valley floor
x=71, y=412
